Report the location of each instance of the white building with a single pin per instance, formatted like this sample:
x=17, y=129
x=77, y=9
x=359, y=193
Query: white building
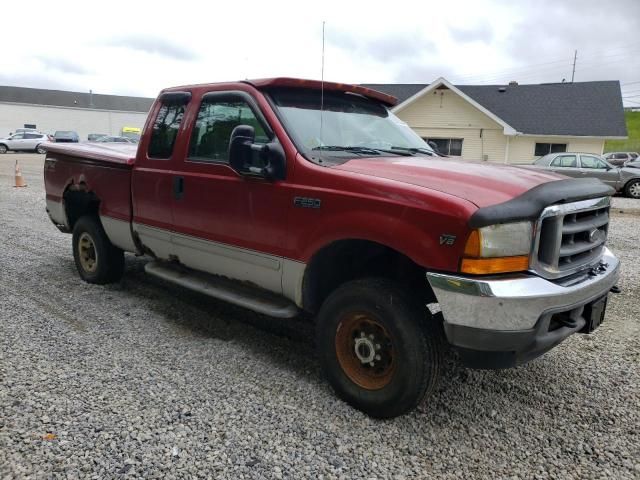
x=511, y=123
x=85, y=113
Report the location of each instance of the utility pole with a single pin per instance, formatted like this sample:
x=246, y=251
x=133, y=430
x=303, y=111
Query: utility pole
x=575, y=57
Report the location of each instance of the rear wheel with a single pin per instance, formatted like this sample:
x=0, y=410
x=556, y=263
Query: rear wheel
x=632, y=189
x=96, y=258
x=3, y=148
x=379, y=347
x=40, y=149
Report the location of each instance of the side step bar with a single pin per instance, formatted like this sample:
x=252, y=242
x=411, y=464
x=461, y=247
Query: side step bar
x=240, y=294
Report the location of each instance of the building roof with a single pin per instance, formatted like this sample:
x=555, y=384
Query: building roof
x=569, y=109
x=60, y=98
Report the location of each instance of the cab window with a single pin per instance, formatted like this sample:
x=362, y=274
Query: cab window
x=566, y=161
x=165, y=130
x=217, y=118
x=589, y=161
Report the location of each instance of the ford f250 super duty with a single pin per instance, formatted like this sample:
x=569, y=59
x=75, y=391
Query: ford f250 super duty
x=284, y=195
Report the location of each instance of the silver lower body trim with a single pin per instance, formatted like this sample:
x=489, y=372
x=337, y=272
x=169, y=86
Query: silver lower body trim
x=515, y=302
x=224, y=289
x=119, y=233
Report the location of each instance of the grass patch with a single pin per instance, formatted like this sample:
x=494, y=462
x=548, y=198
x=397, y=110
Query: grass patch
x=632, y=144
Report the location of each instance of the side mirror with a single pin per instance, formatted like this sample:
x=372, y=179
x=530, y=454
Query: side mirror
x=239, y=154
x=255, y=159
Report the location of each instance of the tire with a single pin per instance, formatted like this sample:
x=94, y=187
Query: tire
x=97, y=259
x=376, y=313
x=3, y=148
x=40, y=149
x=632, y=188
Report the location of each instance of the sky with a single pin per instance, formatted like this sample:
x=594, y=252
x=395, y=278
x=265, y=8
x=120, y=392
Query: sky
x=138, y=48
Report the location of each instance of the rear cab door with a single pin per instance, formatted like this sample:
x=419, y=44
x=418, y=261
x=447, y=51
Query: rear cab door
x=31, y=140
x=154, y=179
x=566, y=164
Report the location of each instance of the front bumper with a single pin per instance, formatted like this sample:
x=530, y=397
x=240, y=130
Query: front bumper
x=502, y=321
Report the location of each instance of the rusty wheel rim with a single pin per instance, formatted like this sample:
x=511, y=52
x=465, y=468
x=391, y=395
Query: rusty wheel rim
x=87, y=253
x=365, y=351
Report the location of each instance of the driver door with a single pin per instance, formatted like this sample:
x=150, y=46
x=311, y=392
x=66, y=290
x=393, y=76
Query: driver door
x=16, y=142
x=592, y=166
x=226, y=223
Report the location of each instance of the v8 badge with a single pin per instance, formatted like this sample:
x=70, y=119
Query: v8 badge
x=447, y=239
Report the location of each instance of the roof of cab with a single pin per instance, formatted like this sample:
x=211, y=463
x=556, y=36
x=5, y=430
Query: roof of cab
x=264, y=83
x=328, y=86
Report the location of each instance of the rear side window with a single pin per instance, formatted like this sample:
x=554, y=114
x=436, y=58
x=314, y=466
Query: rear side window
x=567, y=161
x=165, y=130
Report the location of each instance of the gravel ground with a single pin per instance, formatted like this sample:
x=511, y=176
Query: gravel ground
x=143, y=379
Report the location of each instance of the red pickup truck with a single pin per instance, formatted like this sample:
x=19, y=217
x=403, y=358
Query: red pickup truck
x=285, y=195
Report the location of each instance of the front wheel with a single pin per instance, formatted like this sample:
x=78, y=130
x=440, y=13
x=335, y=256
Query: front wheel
x=379, y=347
x=3, y=148
x=41, y=150
x=97, y=259
x=632, y=189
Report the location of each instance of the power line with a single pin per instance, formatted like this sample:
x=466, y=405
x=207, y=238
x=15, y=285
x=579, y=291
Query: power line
x=595, y=56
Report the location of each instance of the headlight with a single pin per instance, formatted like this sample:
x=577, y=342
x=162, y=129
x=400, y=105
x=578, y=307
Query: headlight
x=498, y=249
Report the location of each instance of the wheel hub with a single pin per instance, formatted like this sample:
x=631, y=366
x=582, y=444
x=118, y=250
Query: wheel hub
x=365, y=351
x=87, y=252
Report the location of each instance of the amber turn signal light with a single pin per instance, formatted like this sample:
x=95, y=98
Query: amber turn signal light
x=484, y=266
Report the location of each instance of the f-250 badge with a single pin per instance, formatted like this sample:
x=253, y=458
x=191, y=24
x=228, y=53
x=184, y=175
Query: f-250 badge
x=306, y=202
x=448, y=240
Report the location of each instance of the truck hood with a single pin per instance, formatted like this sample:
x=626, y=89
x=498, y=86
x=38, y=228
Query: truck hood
x=481, y=183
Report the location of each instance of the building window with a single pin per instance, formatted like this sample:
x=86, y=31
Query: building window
x=543, y=149
x=447, y=146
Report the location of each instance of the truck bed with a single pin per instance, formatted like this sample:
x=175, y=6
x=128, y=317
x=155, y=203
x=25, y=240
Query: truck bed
x=103, y=170
x=124, y=154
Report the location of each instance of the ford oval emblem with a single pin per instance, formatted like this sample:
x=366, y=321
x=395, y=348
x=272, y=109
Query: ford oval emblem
x=596, y=235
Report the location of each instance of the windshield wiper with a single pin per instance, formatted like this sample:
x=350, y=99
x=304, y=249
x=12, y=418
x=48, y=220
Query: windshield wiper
x=338, y=148
x=362, y=150
x=415, y=150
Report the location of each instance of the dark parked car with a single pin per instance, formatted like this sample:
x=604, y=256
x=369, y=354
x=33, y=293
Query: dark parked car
x=580, y=165
x=66, y=136
x=92, y=137
x=620, y=158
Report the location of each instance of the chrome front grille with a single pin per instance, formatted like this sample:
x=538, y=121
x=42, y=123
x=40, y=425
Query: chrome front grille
x=570, y=237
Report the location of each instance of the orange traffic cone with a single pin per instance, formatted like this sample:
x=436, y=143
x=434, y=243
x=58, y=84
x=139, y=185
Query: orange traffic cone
x=19, y=179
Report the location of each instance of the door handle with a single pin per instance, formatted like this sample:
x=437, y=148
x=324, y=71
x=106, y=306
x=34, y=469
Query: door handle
x=178, y=187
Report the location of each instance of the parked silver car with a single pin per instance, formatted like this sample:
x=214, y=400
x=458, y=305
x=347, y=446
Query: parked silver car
x=24, y=141
x=579, y=165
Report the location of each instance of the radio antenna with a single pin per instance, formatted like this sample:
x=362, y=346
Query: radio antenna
x=322, y=84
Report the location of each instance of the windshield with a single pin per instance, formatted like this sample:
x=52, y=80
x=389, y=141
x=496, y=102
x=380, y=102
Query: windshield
x=352, y=125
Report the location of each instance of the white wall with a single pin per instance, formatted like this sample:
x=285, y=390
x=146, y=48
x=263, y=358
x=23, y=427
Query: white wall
x=522, y=149
x=49, y=119
x=444, y=114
